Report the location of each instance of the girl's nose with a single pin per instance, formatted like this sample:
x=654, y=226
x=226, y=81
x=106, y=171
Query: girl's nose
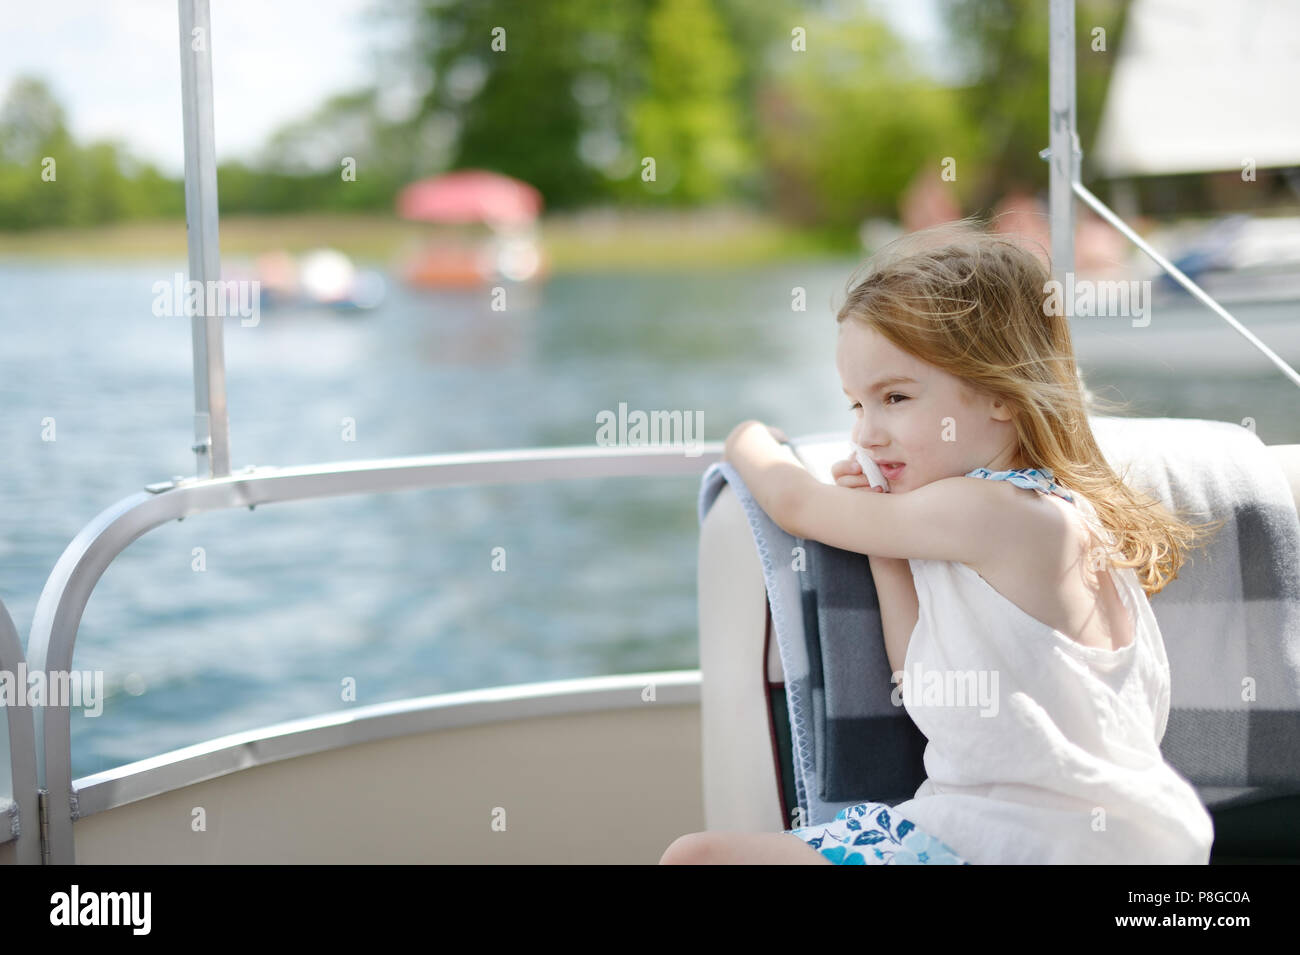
x=870, y=435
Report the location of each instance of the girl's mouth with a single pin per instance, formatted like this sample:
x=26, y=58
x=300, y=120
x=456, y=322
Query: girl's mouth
x=891, y=471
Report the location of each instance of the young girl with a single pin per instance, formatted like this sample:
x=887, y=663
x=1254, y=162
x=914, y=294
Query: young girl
x=1006, y=553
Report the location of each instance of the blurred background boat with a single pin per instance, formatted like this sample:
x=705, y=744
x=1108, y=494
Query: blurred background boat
x=1236, y=258
x=507, y=207
x=318, y=278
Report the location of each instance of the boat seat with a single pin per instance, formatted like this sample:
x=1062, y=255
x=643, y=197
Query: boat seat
x=748, y=768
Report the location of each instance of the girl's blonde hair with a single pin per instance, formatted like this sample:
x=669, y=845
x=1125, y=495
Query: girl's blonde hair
x=976, y=305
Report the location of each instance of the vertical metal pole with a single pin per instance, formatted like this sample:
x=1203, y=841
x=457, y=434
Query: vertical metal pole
x=1064, y=147
x=211, y=422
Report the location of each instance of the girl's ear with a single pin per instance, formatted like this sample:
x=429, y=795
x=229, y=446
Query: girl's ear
x=1001, y=409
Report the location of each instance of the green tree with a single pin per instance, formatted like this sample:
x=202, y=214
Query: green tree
x=760, y=32
x=32, y=129
x=86, y=184
x=847, y=122
x=32, y=123
x=507, y=75
x=305, y=161
x=1004, y=48
x=686, y=119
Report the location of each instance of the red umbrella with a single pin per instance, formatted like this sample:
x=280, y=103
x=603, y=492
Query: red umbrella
x=470, y=195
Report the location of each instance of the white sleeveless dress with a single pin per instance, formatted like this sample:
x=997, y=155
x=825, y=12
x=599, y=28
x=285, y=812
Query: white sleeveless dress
x=1065, y=765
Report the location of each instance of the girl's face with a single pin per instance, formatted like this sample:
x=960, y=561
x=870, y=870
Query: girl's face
x=933, y=425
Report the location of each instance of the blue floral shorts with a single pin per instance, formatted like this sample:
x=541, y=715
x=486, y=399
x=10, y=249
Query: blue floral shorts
x=870, y=834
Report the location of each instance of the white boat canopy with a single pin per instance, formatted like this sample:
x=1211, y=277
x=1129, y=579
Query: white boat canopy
x=1202, y=86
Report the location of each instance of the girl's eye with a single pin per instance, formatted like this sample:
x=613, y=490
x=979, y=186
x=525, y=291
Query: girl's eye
x=894, y=395
x=855, y=406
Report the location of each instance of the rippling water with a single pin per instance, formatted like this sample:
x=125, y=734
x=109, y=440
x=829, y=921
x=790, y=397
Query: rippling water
x=398, y=591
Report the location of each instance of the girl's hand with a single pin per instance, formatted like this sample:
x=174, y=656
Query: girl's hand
x=775, y=476
x=848, y=473
x=739, y=430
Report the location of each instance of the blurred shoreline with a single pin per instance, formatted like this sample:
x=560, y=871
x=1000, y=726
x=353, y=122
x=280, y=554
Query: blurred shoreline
x=588, y=240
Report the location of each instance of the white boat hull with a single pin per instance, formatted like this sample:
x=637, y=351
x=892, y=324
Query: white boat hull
x=584, y=771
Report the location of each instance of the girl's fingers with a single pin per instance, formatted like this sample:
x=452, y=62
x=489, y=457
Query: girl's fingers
x=858, y=480
x=847, y=466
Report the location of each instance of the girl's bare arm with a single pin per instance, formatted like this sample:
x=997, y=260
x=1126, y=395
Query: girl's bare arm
x=899, y=608
x=895, y=590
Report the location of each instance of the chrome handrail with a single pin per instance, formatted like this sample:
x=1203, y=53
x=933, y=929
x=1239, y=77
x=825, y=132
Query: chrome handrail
x=67, y=591
x=1063, y=147
x=18, y=752
x=211, y=420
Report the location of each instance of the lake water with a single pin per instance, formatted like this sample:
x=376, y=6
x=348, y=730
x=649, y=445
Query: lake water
x=398, y=591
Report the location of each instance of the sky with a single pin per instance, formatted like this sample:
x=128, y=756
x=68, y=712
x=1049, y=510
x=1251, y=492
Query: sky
x=115, y=64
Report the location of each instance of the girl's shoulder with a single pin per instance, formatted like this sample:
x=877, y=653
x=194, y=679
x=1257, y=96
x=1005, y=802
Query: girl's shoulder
x=991, y=522
x=1046, y=565
x=1047, y=529
x=1033, y=479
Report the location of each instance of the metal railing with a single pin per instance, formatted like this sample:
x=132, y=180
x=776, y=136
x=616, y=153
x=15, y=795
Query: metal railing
x=18, y=778
x=67, y=591
x=211, y=422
